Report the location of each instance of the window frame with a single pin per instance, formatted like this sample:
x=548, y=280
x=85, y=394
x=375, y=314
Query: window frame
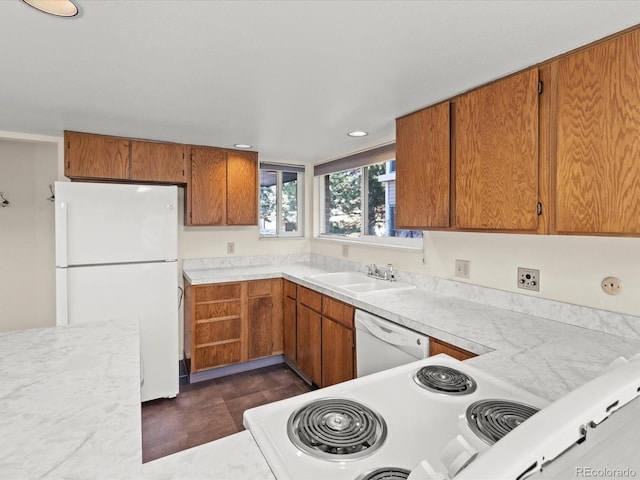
x=280, y=169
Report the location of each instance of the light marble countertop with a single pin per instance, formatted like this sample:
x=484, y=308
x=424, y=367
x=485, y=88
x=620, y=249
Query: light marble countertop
x=546, y=357
x=70, y=400
x=71, y=397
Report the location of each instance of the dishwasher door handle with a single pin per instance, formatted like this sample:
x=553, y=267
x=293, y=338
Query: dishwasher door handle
x=387, y=335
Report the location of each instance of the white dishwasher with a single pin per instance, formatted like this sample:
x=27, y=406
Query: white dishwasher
x=381, y=344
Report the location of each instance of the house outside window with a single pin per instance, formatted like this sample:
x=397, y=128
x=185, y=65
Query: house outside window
x=281, y=200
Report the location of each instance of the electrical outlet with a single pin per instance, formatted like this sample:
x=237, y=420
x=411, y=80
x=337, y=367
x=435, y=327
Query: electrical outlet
x=462, y=268
x=612, y=285
x=345, y=251
x=529, y=279
x=231, y=248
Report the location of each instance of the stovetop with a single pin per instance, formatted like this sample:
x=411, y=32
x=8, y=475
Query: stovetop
x=420, y=423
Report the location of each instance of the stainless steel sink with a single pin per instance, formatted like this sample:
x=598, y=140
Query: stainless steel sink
x=357, y=284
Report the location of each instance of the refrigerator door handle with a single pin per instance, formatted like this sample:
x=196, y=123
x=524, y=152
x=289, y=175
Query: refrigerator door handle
x=62, y=214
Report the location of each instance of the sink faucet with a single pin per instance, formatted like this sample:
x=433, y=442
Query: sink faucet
x=386, y=274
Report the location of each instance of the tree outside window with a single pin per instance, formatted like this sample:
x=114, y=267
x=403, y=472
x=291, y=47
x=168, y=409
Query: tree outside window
x=361, y=201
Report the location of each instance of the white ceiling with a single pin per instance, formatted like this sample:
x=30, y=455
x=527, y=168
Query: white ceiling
x=290, y=78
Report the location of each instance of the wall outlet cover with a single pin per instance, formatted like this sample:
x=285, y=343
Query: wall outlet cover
x=529, y=279
x=612, y=285
x=231, y=248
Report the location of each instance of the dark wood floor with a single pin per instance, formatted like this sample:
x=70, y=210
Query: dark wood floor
x=206, y=411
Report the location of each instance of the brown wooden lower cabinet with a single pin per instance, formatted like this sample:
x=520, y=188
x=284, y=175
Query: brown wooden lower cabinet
x=233, y=322
x=438, y=346
x=308, y=343
x=337, y=352
x=318, y=335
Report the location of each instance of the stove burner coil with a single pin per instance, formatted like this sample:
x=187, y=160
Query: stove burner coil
x=336, y=429
x=493, y=419
x=386, y=473
x=446, y=380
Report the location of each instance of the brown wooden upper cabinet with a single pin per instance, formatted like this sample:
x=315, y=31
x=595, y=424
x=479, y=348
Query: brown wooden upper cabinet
x=597, y=174
x=91, y=156
x=565, y=161
x=496, y=155
x=481, y=151
x=423, y=169
x=242, y=188
x=158, y=162
x=95, y=156
x=223, y=187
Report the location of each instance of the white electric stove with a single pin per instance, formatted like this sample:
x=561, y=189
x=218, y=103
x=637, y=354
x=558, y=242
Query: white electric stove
x=436, y=419
x=385, y=424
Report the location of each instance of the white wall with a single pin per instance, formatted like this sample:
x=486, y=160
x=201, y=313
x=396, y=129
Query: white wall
x=27, y=254
x=571, y=267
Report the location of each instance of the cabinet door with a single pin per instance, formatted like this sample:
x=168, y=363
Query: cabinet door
x=95, y=156
x=264, y=326
x=207, y=192
x=158, y=162
x=242, y=188
x=309, y=331
x=598, y=139
x=496, y=155
x=423, y=169
x=260, y=340
x=337, y=352
x=290, y=328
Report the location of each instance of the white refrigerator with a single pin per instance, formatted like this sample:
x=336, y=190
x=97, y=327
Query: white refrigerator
x=116, y=258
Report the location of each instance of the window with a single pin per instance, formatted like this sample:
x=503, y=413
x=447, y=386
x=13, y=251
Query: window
x=281, y=200
x=360, y=202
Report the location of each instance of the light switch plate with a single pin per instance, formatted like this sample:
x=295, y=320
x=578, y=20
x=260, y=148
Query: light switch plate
x=462, y=268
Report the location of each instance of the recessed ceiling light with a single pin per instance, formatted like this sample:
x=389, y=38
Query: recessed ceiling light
x=59, y=8
x=358, y=134
x=242, y=145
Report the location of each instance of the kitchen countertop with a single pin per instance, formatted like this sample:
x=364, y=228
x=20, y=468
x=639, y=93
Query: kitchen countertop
x=71, y=409
x=546, y=357
x=70, y=402
x=71, y=397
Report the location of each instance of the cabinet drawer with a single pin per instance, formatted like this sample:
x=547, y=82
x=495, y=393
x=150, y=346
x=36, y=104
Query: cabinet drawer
x=289, y=289
x=260, y=287
x=222, y=291
x=338, y=311
x=229, y=308
x=310, y=298
x=215, y=355
x=217, y=331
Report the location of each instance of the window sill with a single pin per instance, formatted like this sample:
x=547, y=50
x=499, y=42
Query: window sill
x=415, y=246
x=283, y=237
